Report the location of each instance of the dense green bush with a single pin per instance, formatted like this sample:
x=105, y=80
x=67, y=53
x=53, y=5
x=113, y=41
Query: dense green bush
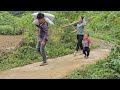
x=16, y=13
x=17, y=25
x=68, y=38
x=6, y=29
x=9, y=30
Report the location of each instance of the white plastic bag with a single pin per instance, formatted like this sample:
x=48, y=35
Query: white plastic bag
x=50, y=16
x=48, y=20
x=35, y=15
x=35, y=22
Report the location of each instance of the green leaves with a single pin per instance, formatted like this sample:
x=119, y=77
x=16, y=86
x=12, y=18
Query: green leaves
x=115, y=64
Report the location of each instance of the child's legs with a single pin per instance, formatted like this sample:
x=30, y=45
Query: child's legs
x=88, y=52
x=84, y=51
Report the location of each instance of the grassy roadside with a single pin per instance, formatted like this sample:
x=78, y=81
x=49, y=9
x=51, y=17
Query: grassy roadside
x=108, y=68
x=104, y=69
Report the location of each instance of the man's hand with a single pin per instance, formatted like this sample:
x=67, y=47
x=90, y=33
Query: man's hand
x=43, y=43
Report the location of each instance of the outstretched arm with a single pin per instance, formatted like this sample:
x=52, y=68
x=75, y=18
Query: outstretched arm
x=75, y=24
x=72, y=24
x=88, y=20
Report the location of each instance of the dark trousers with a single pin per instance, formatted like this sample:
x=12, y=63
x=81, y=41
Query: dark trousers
x=42, y=51
x=86, y=51
x=79, y=42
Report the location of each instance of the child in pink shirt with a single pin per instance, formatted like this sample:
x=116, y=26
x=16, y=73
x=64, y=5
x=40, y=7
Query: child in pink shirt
x=86, y=49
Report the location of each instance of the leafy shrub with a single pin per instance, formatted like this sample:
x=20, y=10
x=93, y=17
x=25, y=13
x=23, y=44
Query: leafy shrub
x=9, y=30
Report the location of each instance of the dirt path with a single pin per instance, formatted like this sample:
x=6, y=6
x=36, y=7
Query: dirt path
x=9, y=42
x=58, y=67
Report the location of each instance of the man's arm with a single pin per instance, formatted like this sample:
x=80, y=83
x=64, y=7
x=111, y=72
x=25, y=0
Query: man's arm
x=37, y=26
x=89, y=19
x=75, y=24
x=72, y=24
x=45, y=28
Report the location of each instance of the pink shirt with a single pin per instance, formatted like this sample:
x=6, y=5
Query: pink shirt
x=87, y=42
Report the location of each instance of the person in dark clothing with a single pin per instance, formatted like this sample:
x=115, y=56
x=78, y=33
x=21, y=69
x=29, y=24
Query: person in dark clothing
x=42, y=37
x=80, y=33
x=86, y=49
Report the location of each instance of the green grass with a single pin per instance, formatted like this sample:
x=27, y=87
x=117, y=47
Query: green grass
x=104, y=69
x=94, y=73
x=20, y=57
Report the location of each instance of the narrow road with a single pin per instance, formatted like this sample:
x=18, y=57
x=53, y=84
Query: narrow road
x=56, y=69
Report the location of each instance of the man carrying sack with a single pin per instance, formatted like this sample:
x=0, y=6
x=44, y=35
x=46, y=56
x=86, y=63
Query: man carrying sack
x=42, y=20
x=42, y=37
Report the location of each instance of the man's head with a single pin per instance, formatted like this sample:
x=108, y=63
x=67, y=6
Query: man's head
x=40, y=18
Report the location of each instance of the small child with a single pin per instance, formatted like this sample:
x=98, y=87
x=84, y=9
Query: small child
x=86, y=49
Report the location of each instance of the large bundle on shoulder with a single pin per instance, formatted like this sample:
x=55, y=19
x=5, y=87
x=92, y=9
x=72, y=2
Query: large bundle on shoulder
x=48, y=18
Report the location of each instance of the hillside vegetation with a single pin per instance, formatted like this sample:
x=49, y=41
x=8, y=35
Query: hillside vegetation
x=62, y=41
